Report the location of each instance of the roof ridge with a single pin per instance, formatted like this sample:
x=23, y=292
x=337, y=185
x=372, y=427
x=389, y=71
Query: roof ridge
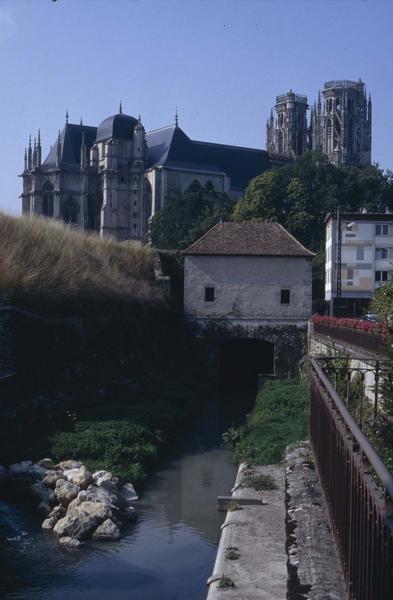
x=229, y=146
x=294, y=239
x=204, y=235
x=161, y=128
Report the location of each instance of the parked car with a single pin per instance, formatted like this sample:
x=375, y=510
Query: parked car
x=371, y=317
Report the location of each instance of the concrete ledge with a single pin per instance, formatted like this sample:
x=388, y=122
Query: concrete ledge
x=313, y=567
x=252, y=554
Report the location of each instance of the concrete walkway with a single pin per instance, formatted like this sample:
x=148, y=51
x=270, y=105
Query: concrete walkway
x=251, y=560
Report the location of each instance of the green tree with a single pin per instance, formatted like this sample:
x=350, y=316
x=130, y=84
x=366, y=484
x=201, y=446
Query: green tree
x=300, y=195
x=186, y=216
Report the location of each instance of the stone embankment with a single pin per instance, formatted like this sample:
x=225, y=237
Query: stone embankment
x=251, y=560
x=276, y=541
x=76, y=503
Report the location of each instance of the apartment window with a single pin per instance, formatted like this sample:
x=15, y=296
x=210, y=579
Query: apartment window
x=350, y=274
x=381, y=252
x=285, y=296
x=134, y=215
x=209, y=294
x=359, y=252
x=381, y=276
x=381, y=229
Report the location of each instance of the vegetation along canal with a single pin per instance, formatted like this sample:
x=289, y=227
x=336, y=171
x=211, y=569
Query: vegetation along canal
x=169, y=552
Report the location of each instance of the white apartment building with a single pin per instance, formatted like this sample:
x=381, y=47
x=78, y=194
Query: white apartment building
x=366, y=253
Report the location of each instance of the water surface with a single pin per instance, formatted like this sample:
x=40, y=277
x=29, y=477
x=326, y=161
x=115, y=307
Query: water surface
x=167, y=555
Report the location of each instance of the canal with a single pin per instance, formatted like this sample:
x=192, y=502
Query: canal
x=167, y=555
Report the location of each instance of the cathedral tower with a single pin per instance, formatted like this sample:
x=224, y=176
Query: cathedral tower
x=287, y=134
x=341, y=128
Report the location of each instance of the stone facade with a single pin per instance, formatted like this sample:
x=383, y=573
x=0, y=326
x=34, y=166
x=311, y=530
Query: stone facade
x=248, y=289
x=340, y=124
x=113, y=178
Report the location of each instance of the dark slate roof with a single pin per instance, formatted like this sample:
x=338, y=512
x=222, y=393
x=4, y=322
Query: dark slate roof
x=117, y=126
x=248, y=239
x=71, y=142
x=171, y=147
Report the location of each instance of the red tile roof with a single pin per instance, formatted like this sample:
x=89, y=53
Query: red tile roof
x=248, y=239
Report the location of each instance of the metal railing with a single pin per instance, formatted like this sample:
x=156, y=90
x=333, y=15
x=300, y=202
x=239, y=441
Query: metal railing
x=363, y=339
x=361, y=514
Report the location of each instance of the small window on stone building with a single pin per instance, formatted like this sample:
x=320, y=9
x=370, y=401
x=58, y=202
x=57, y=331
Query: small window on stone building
x=134, y=215
x=209, y=294
x=285, y=296
x=359, y=252
x=350, y=274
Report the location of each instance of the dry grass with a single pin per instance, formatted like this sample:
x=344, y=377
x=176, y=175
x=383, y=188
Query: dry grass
x=44, y=260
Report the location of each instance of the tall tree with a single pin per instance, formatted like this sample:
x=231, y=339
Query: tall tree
x=186, y=216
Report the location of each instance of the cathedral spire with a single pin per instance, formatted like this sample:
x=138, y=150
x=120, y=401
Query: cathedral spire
x=39, y=150
x=176, y=118
x=83, y=152
x=81, y=122
x=29, y=155
x=120, y=108
x=35, y=153
x=67, y=116
x=58, y=156
x=25, y=162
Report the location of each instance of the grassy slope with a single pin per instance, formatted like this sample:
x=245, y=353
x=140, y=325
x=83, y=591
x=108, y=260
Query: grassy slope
x=280, y=417
x=43, y=260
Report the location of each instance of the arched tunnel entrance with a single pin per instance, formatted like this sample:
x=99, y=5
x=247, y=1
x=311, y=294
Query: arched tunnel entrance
x=242, y=359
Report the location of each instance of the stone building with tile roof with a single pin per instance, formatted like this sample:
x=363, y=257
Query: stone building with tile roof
x=248, y=274
x=114, y=177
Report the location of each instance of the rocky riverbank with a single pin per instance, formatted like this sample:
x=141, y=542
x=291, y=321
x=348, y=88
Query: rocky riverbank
x=76, y=503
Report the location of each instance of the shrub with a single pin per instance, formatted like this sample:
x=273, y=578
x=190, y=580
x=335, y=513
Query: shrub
x=120, y=446
x=280, y=417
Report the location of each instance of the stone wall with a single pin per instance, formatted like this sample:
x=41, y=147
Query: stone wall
x=7, y=345
x=289, y=341
x=248, y=288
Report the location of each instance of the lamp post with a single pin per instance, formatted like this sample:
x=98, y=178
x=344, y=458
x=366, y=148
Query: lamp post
x=338, y=261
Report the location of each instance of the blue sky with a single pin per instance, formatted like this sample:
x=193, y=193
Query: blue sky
x=222, y=62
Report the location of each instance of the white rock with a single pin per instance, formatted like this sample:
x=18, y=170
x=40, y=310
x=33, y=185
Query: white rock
x=65, y=491
x=58, y=512
x=46, y=463
x=98, y=494
x=107, y=531
x=81, y=520
x=70, y=542
x=127, y=494
x=51, y=478
x=100, y=476
x=81, y=476
x=49, y=523
x=69, y=464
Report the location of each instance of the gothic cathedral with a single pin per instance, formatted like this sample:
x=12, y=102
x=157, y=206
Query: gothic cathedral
x=340, y=126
